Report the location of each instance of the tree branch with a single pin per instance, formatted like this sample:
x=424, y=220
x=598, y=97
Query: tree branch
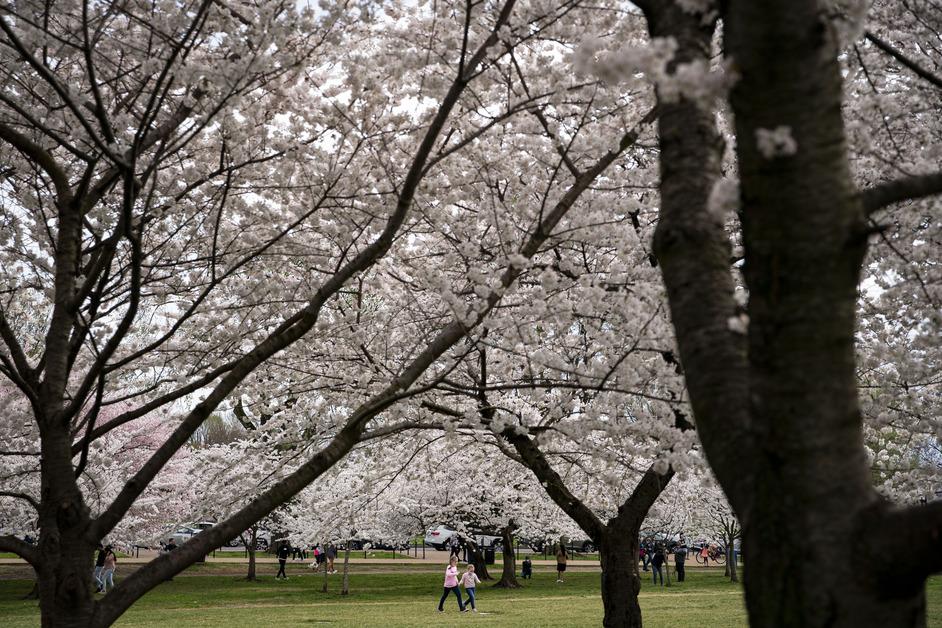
x=32, y=502
x=693, y=250
x=904, y=60
x=302, y=321
x=42, y=158
x=913, y=536
x=555, y=487
x=911, y=188
x=21, y=548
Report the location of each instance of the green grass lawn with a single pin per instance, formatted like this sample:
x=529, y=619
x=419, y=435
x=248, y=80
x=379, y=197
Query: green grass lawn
x=408, y=598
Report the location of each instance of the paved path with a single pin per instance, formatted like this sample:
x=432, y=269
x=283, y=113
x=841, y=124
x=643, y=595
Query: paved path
x=434, y=557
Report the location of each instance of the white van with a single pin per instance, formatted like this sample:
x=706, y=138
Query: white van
x=439, y=537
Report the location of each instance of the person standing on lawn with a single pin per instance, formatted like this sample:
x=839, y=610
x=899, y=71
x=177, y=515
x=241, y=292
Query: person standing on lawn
x=469, y=580
x=331, y=557
x=99, y=566
x=657, y=561
x=680, y=557
x=562, y=557
x=451, y=585
x=283, y=552
x=107, y=571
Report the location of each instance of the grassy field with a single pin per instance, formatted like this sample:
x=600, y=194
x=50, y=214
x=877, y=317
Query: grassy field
x=407, y=598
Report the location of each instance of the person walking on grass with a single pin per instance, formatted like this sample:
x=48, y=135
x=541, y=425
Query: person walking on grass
x=561, y=559
x=451, y=585
x=107, y=571
x=283, y=552
x=657, y=561
x=468, y=580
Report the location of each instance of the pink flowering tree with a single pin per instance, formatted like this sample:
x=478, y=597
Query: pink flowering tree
x=238, y=200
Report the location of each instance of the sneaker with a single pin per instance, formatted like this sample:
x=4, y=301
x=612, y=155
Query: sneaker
x=441, y=610
x=474, y=610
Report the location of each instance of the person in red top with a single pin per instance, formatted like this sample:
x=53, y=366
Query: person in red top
x=451, y=585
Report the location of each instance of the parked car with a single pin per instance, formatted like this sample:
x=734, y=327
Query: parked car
x=668, y=540
x=579, y=545
x=187, y=531
x=262, y=540
x=368, y=544
x=439, y=537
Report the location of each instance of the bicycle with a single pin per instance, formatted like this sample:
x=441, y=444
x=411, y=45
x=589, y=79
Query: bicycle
x=714, y=553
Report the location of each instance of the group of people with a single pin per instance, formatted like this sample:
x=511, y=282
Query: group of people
x=323, y=558
x=453, y=584
x=469, y=580
x=655, y=555
x=104, y=569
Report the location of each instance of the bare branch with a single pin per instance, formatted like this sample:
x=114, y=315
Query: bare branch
x=883, y=194
x=21, y=548
x=536, y=461
x=903, y=59
x=41, y=158
x=32, y=502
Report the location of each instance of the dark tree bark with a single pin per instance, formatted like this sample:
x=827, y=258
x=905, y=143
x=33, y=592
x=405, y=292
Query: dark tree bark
x=776, y=407
x=66, y=551
x=345, y=588
x=621, y=582
x=326, y=572
x=250, y=548
x=476, y=554
x=508, y=576
x=33, y=593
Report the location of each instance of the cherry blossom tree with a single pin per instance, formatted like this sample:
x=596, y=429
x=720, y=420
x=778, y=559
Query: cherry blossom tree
x=112, y=459
x=580, y=381
x=773, y=384
x=206, y=200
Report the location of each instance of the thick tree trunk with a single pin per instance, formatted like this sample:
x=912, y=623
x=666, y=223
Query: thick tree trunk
x=508, y=576
x=731, y=567
x=621, y=582
x=805, y=235
x=66, y=555
x=326, y=573
x=780, y=422
x=345, y=588
x=476, y=554
x=250, y=549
